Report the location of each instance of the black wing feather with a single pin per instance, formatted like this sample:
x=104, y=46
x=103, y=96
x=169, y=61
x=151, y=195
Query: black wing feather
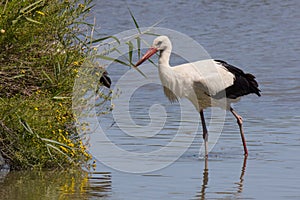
x=243, y=84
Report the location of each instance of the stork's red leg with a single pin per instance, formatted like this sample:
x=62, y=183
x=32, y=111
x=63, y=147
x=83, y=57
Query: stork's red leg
x=240, y=123
x=205, y=133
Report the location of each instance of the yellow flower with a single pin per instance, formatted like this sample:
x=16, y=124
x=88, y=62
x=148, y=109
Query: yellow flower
x=2, y=31
x=76, y=63
x=84, y=184
x=64, y=149
x=40, y=12
x=38, y=92
x=71, y=145
x=36, y=109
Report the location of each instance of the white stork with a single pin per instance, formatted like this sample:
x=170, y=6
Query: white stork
x=197, y=82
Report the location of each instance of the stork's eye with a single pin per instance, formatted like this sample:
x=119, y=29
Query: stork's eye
x=159, y=43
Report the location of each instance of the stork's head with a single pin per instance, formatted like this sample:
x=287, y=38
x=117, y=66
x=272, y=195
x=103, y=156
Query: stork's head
x=161, y=43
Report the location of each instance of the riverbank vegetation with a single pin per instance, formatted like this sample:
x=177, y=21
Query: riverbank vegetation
x=42, y=45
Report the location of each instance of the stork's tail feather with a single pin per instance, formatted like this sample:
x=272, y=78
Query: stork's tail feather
x=253, y=84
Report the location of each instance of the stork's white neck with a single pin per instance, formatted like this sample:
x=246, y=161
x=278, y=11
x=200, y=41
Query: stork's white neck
x=164, y=58
x=165, y=70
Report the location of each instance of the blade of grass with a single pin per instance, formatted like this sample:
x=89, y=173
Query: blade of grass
x=26, y=9
x=130, y=50
x=119, y=61
x=66, y=61
x=60, y=98
x=131, y=64
x=153, y=34
x=26, y=126
x=158, y=22
x=55, y=142
x=84, y=23
x=49, y=151
x=58, y=68
x=5, y=6
x=138, y=42
x=88, y=9
x=33, y=21
x=112, y=59
x=152, y=62
x=144, y=75
x=57, y=149
x=105, y=38
x=17, y=76
x=48, y=77
x=134, y=20
x=107, y=51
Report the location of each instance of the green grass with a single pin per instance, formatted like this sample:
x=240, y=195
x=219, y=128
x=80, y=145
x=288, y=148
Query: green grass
x=42, y=45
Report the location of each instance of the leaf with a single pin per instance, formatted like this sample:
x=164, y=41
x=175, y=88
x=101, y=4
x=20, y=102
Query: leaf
x=66, y=61
x=135, y=22
x=18, y=76
x=55, y=142
x=107, y=51
x=88, y=9
x=49, y=151
x=153, y=34
x=112, y=59
x=130, y=50
x=144, y=75
x=158, y=22
x=57, y=70
x=121, y=62
x=57, y=149
x=84, y=23
x=60, y=98
x=23, y=10
x=138, y=42
x=152, y=62
x=105, y=38
x=132, y=65
x=26, y=126
x=32, y=20
x=48, y=77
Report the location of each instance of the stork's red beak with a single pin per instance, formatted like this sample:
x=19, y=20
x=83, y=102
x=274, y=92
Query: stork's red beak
x=147, y=55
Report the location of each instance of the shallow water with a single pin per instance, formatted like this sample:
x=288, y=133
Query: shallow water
x=261, y=38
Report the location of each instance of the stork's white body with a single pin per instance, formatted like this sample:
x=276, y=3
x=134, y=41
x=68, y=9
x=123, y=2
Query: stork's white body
x=211, y=78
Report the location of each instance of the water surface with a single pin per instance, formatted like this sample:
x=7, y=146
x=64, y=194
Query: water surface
x=261, y=38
